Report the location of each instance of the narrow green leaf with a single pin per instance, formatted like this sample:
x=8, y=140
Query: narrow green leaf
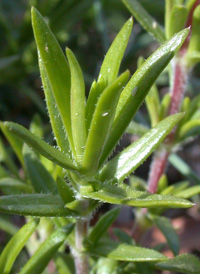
x=40, y=178
x=189, y=192
x=3, y=171
x=138, y=86
x=129, y=159
x=38, y=262
x=153, y=105
x=102, y=225
x=105, y=265
x=40, y=146
x=123, y=236
x=180, y=12
x=12, y=186
x=66, y=193
x=109, y=69
x=15, y=142
x=184, y=263
x=36, y=126
x=54, y=113
x=8, y=226
x=64, y=263
x=187, y=127
x=145, y=19
x=77, y=105
x=183, y=168
x=125, y=252
x=136, y=129
x=194, y=44
x=179, y=187
x=40, y=205
x=165, y=226
x=125, y=195
x=162, y=184
x=15, y=245
x=102, y=122
x=57, y=69
x=164, y=106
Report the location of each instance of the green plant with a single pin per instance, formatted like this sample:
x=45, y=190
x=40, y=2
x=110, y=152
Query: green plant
x=65, y=185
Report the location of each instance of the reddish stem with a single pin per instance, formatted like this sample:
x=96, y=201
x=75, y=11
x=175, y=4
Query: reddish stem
x=157, y=169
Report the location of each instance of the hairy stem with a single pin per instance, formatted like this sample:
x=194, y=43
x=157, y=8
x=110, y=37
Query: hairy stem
x=81, y=260
x=177, y=92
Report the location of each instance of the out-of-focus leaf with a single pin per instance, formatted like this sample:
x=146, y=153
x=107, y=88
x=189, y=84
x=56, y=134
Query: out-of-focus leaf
x=15, y=245
x=105, y=265
x=189, y=192
x=164, y=107
x=36, y=126
x=66, y=193
x=123, y=236
x=138, y=86
x=180, y=12
x=162, y=184
x=184, y=263
x=183, y=168
x=145, y=19
x=15, y=142
x=40, y=205
x=136, y=129
x=56, y=66
x=194, y=45
x=40, y=178
x=165, y=226
x=179, y=187
x=40, y=146
x=46, y=251
x=8, y=61
x=125, y=195
x=82, y=207
x=102, y=122
x=129, y=159
x=102, y=225
x=77, y=106
x=8, y=226
x=64, y=263
x=124, y=252
x=110, y=68
x=187, y=127
x=12, y=186
x=153, y=105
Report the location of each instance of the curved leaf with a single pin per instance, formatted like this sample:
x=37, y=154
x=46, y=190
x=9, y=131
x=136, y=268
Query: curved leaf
x=126, y=196
x=66, y=193
x=130, y=158
x=40, y=146
x=125, y=252
x=46, y=251
x=40, y=205
x=189, y=192
x=184, y=263
x=15, y=245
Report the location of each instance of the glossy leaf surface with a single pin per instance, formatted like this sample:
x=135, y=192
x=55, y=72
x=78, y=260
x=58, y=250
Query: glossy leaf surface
x=46, y=251
x=184, y=263
x=145, y=19
x=124, y=252
x=40, y=146
x=40, y=205
x=138, y=86
x=102, y=122
x=15, y=245
x=129, y=159
x=125, y=195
